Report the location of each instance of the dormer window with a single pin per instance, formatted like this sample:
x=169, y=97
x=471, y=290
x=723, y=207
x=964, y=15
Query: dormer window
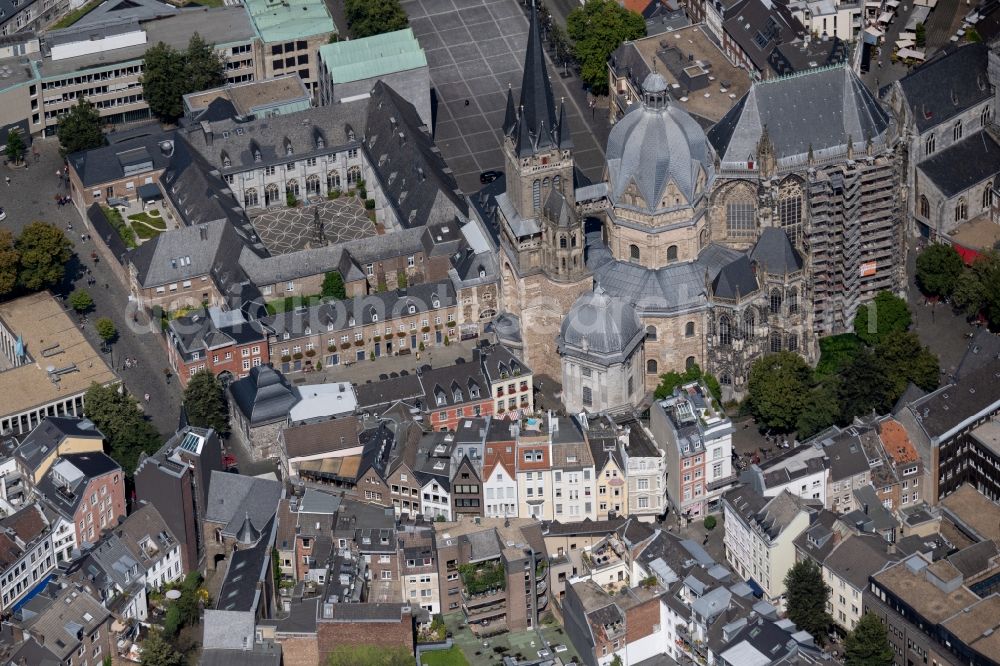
x=374, y=316
x=350, y=322
x=285, y=335
x=308, y=331
x=256, y=156
x=412, y=309
x=482, y=272
x=440, y=399
x=226, y=162
x=320, y=143
x=457, y=396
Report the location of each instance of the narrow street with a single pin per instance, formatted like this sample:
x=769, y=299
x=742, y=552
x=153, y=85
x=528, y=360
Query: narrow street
x=30, y=197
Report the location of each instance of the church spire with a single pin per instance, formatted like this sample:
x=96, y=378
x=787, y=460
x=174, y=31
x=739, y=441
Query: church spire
x=537, y=105
x=510, y=118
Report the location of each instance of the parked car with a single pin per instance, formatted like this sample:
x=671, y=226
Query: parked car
x=3, y=215
x=489, y=176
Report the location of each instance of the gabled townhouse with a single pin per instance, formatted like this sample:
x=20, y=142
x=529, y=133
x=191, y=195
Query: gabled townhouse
x=63, y=623
x=802, y=471
x=26, y=554
x=454, y=392
x=304, y=540
x=365, y=477
x=534, y=469
x=760, y=536
x=500, y=471
x=87, y=490
x=434, y=473
x=52, y=437
x=223, y=342
x=907, y=467
x=574, y=492
x=402, y=475
x=696, y=438
x=603, y=435
x=466, y=489
x=510, y=382
x=645, y=470
x=419, y=569
x=177, y=480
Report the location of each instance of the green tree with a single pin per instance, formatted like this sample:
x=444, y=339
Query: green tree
x=10, y=259
x=617, y=661
x=977, y=291
x=169, y=74
x=865, y=386
x=598, y=28
x=80, y=300
x=821, y=409
x=15, y=146
x=374, y=17
x=333, y=286
x=126, y=430
x=106, y=329
x=80, y=128
x=921, y=35
x=806, y=596
x=205, y=403
x=938, y=269
x=835, y=352
x=44, y=250
x=867, y=644
x=887, y=312
x=370, y=655
x=777, y=388
x=671, y=380
x=905, y=360
x=156, y=651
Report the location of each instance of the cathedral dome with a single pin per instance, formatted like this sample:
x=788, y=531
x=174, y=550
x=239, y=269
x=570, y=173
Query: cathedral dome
x=601, y=326
x=654, y=145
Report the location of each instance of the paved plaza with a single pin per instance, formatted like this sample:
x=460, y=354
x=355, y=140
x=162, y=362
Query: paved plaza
x=475, y=51
x=284, y=230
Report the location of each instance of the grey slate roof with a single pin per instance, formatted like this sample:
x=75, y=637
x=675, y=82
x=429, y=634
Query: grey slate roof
x=412, y=172
x=736, y=279
x=857, y=557
x=536, y=126
x=47, y=435
x=374, y=394
x=66, y=499
x=816, y=110
x=775, y=254
x=127, y=156
x=656, y=146
x=948, y=85
x=601, y=326
x=962, y=165
x=183, y=254
x=232, y=497
x=263, y=396
x=247, y=568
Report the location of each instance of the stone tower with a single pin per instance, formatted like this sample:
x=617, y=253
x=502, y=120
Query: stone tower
x=538, y=150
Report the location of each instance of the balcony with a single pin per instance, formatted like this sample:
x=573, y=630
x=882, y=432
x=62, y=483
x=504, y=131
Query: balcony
x=484, y=599
x=721, y=483
x=542, y=603
x=479, y=615
x=540, y=587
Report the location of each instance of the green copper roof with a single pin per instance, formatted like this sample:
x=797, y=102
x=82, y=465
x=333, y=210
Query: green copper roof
x=285, y=20
x=369, y=57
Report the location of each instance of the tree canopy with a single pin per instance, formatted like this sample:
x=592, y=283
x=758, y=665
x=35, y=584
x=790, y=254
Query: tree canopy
x=333, y=286
x=15, y=146
x=169, y=74
x=126, y=430
x=374, y=17
x=777, y=388
x=43, y=251
x=597, y=29
x=868, y=644
x=977, y=290
x=938, y=269
x=205, y=403
x=671, y=380
x=106, y=329
x=80, y=128
x=156, y=651
x=886, y=313
x=10, y=260
x=806, y=596
x=80, y=300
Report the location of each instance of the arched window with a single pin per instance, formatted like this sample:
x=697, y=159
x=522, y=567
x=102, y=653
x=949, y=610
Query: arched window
x=929, y=145
x=546, y=184
x=775, y=342
x=961, y=210
x=650, y=332
x=740, y=217
x=536, y=194
x=271, y=194
x=292, y=187
x=726, y=379
x=651, y=367
x=703, y=239
x=562, y=242
x=250, y=198
x=633, y=252
x=985, y=116
x=790, y=216
x=312, y=184
x=588, y=397
x=557, y=183
x=748, y=325
x=333, y=180
x=672, y=253
x=218, y=535
x=775, y=301
x=725, y=334
x=572, y=240
x=924, y=206
x=793, y=300
x=793, y=342
x=354, y=175
x=956, y=130
x=689, y=329
x=689, y=362
x=987, y=197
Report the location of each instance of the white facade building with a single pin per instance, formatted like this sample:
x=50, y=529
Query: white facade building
x=500, y=491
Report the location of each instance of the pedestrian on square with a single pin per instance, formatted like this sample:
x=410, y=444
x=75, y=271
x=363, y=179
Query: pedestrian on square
x=7, y=178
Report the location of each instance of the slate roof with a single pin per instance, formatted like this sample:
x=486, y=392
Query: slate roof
x=263, y=396
x=323, y=437
x=196, y=188
x=534, y=126
x=56, y=614
x=736, y=280
x=964, y=164
x=412, y=172
x=232, y=497
x=774, y=253
x=247, y=567
x=377, y=393
x=111, y=162
x=857, y=557
x=184, y=254
x=201, y=332
x=948, y=85
x=816, y=110
x=82, y=467
x=654, y=145
x=48, y=434
x=452, y=385
x=602, y=326
x=940, y=411
x=847, y=457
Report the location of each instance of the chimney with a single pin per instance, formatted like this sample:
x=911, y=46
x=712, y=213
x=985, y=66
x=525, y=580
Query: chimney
x=203, y=233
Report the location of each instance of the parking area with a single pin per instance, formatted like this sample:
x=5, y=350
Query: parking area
x=475, y=50
x=284, y=230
